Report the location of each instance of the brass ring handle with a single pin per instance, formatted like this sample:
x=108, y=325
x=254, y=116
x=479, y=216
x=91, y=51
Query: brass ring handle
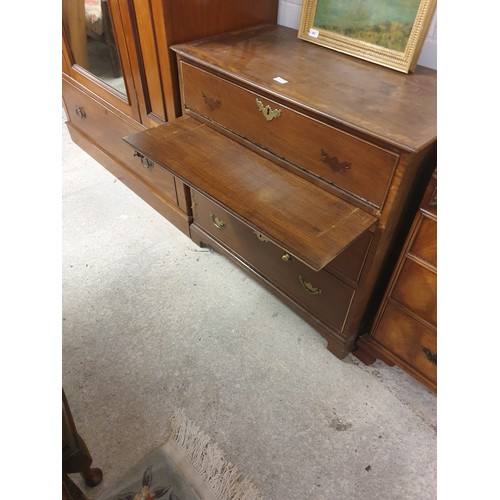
x=269, y=114
x=218, y=223
x=309, y=287
x=431, y=356
x=146, y=162
x=80, y=112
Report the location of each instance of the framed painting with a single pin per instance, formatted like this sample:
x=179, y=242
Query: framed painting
x=387, y=32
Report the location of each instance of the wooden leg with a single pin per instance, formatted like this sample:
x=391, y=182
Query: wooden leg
x=92, y=476
x=76, y=457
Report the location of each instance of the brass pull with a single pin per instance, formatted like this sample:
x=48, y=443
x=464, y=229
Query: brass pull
x=80, y=112
x=144, y=160
x=334, y=163
x=261, y=237
x=218, y=223
x=285, y=257
x=431, y=356
x=269, y=114
x=309, y=287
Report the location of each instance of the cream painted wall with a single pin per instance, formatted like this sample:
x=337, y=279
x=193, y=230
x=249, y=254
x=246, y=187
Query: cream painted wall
x=289, y=15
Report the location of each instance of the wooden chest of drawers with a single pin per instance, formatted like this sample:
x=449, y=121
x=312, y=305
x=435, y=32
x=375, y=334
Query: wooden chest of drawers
x=404, y=331
x=304, y=166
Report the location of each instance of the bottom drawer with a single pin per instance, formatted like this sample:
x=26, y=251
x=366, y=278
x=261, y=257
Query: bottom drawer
x=325, y=296
x=409, y=340
x=107, y=129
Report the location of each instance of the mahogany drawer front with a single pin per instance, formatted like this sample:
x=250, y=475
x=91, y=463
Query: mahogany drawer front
x=409, y=340
x=424, y=245
x=350, y=262
x=352, y=164
x=320, y=292
x=107, y=129
x=416, y=289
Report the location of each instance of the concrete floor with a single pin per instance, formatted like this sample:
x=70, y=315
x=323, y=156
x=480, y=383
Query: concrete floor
x=152, y=323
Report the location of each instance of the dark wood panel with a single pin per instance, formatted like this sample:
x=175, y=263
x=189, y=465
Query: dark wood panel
x=201, y=18
x=153, y=91
x=312, y=224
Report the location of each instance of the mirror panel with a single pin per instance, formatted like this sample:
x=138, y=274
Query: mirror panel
x=92, y=40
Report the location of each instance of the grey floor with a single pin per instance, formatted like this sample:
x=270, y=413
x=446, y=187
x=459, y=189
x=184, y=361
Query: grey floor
x=152, y=323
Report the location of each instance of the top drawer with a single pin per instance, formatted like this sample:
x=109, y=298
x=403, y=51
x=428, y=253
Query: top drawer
x=340, y=159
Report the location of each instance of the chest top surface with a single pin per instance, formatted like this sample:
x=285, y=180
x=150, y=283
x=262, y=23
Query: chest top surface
x=396, y=108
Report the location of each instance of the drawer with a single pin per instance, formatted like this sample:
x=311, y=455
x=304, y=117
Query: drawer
x=409, y=340
x=415, y=288
x=327, y=297
x=350, y=262
x=107, y=129
x=340, y=159
x=424, y=245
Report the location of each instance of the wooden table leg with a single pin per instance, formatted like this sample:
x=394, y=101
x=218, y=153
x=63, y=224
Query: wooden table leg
x=76, y=457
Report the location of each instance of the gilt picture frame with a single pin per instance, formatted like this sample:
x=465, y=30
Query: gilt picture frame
x=386, y=32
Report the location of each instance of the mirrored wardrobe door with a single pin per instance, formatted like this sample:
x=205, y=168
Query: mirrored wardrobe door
x=98, y=52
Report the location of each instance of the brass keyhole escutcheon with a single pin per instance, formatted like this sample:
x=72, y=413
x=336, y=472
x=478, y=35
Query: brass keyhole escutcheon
x=269, y=114
x=218, y=223
x=285, y=257
x=261, y=237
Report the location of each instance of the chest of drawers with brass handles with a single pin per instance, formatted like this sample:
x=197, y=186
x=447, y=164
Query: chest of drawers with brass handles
x=306, y=182
x=405, y=328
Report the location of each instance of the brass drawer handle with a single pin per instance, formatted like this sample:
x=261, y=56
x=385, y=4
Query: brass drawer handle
x=309, y=287
x=218, y=223
x=431, y=356
x=144, y=160
x=285, y=257
x=334, y=163
x=269, y=114
x=80, y=112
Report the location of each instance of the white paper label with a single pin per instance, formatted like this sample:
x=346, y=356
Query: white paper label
x=280, y=80
x=314, y=33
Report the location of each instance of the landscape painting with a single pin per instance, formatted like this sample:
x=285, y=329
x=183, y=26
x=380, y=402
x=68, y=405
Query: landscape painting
x=387, y=23
x=387, y=32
